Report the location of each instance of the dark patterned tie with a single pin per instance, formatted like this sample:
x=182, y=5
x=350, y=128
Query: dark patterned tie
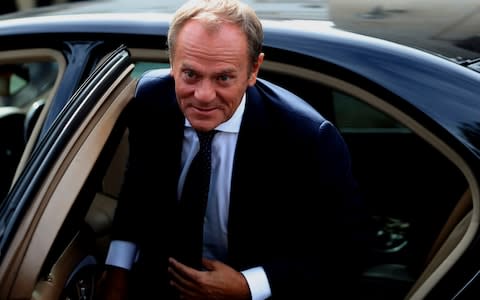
x=193, y=203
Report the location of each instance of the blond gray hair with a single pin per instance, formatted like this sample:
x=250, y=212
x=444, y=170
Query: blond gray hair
x=215, y=12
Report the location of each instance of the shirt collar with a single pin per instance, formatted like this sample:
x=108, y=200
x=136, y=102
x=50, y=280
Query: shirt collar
x=233, y=124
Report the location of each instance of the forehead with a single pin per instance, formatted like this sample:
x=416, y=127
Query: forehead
x=205, y=49
x=223, y=31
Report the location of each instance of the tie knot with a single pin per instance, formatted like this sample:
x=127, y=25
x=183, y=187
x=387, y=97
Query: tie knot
x=205, y=139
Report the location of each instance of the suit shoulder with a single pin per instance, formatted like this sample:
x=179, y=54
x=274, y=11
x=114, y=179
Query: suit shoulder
x=285, y=101
x=154, y=96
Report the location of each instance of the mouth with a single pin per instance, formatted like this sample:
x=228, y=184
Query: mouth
x=203, y=110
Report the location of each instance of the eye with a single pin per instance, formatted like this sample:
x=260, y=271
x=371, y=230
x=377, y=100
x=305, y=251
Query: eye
x=189, y=74
x=223, y=77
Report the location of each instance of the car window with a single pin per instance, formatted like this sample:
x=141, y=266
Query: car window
x=21, y=84
x=400, y=175
x=25, y=85
x=143, y=66
x=353, y=115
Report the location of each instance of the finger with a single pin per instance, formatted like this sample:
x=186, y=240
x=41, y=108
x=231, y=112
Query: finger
x=184, y=270
x=186, y=288
x=178, y=280
x=184, y=277
x=179, y=287
x=185, y=293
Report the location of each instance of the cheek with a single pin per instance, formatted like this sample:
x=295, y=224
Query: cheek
x=182, y=97
x=230, y=101
x=183, y=90
x=181, y=103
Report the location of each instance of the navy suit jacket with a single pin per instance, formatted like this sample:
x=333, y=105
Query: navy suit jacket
x=294, y=206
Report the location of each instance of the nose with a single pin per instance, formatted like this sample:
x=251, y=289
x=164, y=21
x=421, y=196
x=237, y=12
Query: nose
x=205, y=90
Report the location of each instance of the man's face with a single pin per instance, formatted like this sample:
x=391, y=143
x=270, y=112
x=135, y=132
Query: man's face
x=211, y=71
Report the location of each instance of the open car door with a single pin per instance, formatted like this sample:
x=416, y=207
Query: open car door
x=47, y=247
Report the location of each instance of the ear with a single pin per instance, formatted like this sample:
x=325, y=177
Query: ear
x=256, y=67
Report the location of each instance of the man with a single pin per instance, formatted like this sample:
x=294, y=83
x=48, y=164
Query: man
x=282, y=203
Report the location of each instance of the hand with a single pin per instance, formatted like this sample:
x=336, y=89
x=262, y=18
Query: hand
x=218, y=281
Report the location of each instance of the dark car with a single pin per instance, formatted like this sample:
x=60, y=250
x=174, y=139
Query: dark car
x=411, y=120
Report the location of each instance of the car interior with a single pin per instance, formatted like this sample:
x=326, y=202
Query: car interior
x=402, y=168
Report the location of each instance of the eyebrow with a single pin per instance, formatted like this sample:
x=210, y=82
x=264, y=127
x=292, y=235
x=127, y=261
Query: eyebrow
x=221, y=72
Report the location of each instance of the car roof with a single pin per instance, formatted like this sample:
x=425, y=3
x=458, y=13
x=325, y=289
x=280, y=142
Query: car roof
x=335, y=12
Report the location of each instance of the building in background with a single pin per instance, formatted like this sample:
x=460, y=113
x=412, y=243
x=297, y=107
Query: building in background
x=8, y=6
x=27, y=4
x=441, y=25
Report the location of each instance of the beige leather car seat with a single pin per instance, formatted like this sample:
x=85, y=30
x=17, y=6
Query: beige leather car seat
x=102, y=210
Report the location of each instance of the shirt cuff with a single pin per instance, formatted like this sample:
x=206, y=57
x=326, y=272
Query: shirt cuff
x=121, y=254
x=258, y=283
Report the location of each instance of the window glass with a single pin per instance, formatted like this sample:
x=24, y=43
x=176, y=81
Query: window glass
x=143, y=66
x=354, y=115
x=24, y=83
x=24, y=86
x=16, y=84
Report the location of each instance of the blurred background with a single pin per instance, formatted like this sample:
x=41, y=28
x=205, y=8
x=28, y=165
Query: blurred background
x=9, y=6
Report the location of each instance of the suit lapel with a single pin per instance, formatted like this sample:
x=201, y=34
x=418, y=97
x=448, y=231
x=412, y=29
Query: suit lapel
x=247, y=164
